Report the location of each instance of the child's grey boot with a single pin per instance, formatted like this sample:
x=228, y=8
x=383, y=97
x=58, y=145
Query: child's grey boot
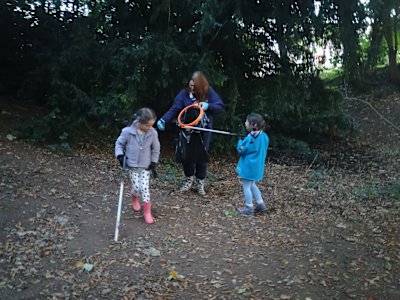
x=245, y=211
x=260, y=208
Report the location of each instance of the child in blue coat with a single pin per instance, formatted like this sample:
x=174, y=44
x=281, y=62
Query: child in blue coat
x=253, y=153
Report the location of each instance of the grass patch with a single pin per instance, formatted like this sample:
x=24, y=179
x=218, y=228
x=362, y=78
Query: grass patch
x=170, y=171
x=331, y=74
x=318, y=174
x=174, y=244
x=395, y=190
x=390, y=152
x=4, y=208
x=315, y=178
x=368, y=192
x=373, y=191
x=231, y=213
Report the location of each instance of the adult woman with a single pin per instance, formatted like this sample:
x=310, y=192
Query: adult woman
x=195, y=167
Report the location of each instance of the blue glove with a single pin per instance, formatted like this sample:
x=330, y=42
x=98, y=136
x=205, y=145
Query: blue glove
x=204, y=105
x=161, y=124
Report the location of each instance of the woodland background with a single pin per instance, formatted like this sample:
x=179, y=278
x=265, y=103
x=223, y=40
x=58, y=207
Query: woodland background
x=90, y=64
x=324, y=74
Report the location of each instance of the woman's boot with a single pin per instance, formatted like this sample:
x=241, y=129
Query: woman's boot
x=200, y=187
x=136, y=204
x=187, y=185
x=148, y=218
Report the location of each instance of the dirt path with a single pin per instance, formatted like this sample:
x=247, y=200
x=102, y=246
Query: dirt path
x=332, y=232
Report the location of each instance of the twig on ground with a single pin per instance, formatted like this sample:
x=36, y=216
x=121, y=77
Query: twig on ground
x=305, y=172
x=309, y=167
x=87, y=202
x=375, y=110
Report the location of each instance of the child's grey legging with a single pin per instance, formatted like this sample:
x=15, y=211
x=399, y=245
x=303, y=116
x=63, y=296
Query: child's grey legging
x=140, y=183
x=251, y=190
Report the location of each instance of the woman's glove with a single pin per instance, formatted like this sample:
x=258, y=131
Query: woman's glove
x=204, y=105
x=152, y=168
x=161, y=124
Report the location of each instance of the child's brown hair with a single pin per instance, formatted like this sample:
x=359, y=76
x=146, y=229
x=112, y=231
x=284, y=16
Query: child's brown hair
x=144, y=115
x=256, y=121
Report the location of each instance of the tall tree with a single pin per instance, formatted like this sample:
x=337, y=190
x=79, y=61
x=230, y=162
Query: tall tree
x=390, y=19
x=374, y=50
x=97, y=61
x=343, y=20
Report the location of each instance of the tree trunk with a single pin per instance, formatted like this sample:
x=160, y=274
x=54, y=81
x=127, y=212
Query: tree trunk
x=281, y=11
x=390, y=33
x=394, y=73
x=349, y=38
x=374, y=48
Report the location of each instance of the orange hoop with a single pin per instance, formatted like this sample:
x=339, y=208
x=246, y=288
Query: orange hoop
x=195, y=121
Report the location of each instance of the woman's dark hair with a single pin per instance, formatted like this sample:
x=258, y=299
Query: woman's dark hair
x=256, y=121
x=144, y=115
x=187, y=87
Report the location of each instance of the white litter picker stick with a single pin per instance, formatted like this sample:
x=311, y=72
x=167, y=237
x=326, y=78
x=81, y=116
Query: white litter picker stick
x=210, y=130
x=121, y=196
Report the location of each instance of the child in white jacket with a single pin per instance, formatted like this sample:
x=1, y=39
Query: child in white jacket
x=138, y=146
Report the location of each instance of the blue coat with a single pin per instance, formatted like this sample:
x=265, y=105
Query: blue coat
x=215, y=105
x=252, y=152
x=183, y=99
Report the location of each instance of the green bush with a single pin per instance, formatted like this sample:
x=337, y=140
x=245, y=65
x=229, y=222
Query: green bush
x=96, y=72
x=295, y=147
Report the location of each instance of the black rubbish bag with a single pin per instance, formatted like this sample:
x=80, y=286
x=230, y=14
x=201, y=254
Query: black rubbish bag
x=181, y=148
x=190, y=148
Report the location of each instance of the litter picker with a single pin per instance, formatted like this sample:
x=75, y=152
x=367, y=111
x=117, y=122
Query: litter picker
x=211, y=130
x=195, y=122
x=121, y=196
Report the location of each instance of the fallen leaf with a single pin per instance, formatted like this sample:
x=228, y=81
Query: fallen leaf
x=11, y=137
x=79, y=265
x=88, y=267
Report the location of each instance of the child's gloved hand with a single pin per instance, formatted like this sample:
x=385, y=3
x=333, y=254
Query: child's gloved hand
x=161, y=124
x=152, y=168
x=240, y=136
x=204, y=105
x=121, y=159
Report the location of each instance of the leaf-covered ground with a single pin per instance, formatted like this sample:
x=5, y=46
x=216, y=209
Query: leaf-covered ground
x=332, y=231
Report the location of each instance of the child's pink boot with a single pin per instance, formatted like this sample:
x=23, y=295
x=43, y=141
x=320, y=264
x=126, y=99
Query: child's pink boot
x=148, y=218
x=136, y=204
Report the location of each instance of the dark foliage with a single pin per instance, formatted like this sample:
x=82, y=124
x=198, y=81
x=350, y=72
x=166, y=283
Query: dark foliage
x=93, y=64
